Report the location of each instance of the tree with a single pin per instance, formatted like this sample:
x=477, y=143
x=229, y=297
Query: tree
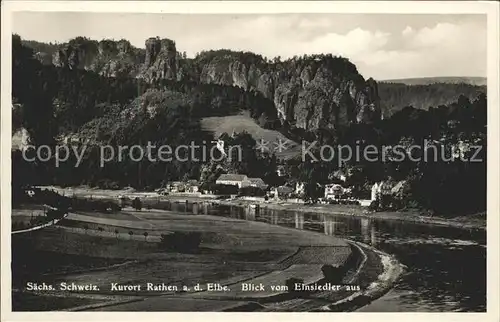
x=116, y=233
x=130, y=233
x=312, y=192
x=101, y=230
x=137, y=204
x=252, y=191
x=145, y=235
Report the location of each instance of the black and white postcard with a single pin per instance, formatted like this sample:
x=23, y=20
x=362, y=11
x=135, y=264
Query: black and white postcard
x=315, y=157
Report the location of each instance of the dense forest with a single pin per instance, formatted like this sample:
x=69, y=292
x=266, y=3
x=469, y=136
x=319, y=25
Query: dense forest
x=395, y=96
x=54, y=104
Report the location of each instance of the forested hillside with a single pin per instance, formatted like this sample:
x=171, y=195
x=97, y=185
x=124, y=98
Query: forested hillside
x=396, y=96
x=320, y=98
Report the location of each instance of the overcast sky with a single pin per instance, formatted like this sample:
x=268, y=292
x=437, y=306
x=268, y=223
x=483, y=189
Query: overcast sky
x=382, y=46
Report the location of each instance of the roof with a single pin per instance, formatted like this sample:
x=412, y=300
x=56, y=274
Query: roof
x=339, y=173
x=399, y=186
x=335, y=187
x=232, y=177
x=256, y=180
x=285, y=189
x=385, y=187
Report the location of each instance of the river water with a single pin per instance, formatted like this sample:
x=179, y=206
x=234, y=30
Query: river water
x=446, y=267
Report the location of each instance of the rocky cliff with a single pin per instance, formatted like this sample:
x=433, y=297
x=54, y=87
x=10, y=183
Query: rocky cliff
x=310, y=92
x=108, y=58
x=161, y=59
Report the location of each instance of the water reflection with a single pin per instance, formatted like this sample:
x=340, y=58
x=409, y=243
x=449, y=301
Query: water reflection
x=329, y=225
x=251, y=213
x=446, y=266
x=299, y=220
x=373, y=236
x=366, y=229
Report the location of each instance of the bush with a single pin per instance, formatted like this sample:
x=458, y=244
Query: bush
x=54, y=214
x=332, y=274
x=183, y=242
x=374, y=205
x=137, y=204
x=251, y=191
x=110, y=206
x=224, y=189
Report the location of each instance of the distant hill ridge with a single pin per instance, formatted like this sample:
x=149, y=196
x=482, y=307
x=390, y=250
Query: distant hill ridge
x=476, y=81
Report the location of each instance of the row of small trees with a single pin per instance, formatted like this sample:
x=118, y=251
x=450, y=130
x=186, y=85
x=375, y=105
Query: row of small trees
x=116, y=232
x=177, y=241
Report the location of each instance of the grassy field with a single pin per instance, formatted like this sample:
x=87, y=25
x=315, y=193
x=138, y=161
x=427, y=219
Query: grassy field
x=243, y=122
x=22, y=219
x=22, y=301
x=335, y=256
x=59, y=240
x=171, y=272
x=231, y=251
x=30, y=265
x=122, y=215
x=307, y=272
x=162, y=303
x=24, y=213
x=124, y=223
x=218, y=231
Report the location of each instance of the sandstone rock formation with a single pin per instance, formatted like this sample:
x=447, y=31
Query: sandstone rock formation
x=107, y=58
x=161, y=59
x=311, y=92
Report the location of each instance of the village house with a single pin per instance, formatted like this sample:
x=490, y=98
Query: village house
x=388, y=189
x=375, y=191
x=334, y=191
x=280, y=171
x=176, y=186
x=192, y=186
x=382, y=188
x=283, y=192
x=460, y=149
x=299, y=188
x=239, y=180
x=340, y=175
x=398, y=189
